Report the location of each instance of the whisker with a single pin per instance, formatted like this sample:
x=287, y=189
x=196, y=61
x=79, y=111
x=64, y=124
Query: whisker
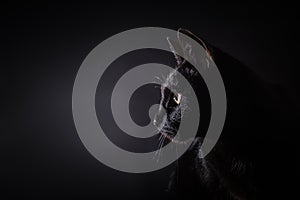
x=159, y=151
x=160, y=143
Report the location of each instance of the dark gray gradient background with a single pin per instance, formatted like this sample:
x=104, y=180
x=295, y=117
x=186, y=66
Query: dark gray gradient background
x=43, y=47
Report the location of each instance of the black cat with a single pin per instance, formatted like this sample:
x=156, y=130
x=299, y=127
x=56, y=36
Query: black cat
x=250, y=159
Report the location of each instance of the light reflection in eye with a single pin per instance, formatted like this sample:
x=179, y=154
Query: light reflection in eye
x=177, y=98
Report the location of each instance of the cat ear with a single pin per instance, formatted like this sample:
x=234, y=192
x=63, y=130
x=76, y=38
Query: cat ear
x=176, y=50
x=189, y=51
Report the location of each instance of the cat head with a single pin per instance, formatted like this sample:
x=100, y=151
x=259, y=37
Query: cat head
x=175, y=102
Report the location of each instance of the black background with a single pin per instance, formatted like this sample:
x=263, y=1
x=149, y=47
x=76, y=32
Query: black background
x=43, y=47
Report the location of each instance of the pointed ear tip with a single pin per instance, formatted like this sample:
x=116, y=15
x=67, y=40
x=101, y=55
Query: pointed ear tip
x=184, y=31
x=179, y=30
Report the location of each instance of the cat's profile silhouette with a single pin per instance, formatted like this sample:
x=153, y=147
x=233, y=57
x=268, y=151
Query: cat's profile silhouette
x=250, y=158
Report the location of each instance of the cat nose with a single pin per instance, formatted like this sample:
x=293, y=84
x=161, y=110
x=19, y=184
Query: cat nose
x=156, y=122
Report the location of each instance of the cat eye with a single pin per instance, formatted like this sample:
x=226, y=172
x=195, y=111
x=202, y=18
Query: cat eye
x=177, y=98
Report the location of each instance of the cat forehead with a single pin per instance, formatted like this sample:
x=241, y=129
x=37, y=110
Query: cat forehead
x=171, y=80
